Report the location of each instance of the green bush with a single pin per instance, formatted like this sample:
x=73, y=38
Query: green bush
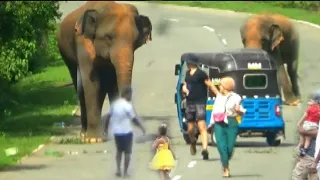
x=306, y=5
x=24, y=33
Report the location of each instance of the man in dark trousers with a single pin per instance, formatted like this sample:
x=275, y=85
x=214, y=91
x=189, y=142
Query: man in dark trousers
x=304, y=167
x=196, y=90
x=120, y=116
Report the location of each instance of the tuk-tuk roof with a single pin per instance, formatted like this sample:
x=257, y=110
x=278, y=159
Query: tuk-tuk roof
x=238, y=59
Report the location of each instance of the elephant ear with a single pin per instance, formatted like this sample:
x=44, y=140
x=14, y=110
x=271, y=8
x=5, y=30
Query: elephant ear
x=276, y=36
x=85, y=29
x=87, y=24
x=145, y=27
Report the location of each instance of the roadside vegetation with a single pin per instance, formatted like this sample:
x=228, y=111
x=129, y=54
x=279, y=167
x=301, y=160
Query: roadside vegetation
x=300, y=10
x=31, y=66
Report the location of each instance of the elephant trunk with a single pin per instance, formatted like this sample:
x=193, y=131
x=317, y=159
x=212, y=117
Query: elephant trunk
x=123, y=58
x=253, y=44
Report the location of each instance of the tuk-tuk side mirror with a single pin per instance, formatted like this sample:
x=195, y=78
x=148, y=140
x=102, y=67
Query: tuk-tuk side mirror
x=177, y=69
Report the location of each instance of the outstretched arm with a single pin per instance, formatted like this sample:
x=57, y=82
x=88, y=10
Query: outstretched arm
x=106, y=125
x=107, y=120
x=212, y=87
x=133, y=115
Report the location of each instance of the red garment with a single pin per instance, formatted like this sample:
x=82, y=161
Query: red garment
x=313, y=114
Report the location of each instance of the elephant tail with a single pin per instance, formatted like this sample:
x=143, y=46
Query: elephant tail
x=61, y=85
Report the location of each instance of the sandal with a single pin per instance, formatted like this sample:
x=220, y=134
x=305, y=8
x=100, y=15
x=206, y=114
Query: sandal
x=226, y=173
x=118, y=174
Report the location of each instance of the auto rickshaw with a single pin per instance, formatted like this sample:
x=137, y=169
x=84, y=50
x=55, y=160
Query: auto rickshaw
x=255, y=75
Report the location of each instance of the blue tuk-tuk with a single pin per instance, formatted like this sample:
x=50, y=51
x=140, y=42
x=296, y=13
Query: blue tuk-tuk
x=255, y=75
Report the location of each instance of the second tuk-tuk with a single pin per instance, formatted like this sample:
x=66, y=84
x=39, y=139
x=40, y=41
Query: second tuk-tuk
x=255, y=75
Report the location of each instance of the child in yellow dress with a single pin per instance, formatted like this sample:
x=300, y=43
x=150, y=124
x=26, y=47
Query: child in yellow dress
x=164, y=159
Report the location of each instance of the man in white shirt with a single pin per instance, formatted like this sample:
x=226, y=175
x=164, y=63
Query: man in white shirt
x=120, y=116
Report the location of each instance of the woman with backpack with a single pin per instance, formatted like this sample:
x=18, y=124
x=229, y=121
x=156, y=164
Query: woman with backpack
x=227, y=107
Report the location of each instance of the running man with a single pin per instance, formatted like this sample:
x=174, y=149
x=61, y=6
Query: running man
x=195, y=90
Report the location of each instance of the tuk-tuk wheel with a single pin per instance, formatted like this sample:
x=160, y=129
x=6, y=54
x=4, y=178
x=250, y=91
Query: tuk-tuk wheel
x=272, y=140
x=187, y=139
x=213, y=138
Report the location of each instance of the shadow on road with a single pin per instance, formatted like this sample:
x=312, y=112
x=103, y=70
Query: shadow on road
x=146, y=138
x=251, y=144
x=213, y=159
x=245, y=175
x=260, y=144
x=24, y=167
x=157, y=118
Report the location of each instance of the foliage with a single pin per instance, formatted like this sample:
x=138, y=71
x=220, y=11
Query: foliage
x=24, y=32
x=307, y=5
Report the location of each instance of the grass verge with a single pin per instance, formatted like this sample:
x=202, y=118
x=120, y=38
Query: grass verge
x=252, y=7
x=39, y=105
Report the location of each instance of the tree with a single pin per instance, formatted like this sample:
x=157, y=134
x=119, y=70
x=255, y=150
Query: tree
x=24, y=28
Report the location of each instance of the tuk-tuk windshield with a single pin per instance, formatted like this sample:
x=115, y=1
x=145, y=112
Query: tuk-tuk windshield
x=255, y=81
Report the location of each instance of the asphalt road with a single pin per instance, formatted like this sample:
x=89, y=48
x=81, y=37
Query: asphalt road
x=189, y=29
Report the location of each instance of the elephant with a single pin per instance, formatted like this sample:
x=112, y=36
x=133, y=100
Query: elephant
x=97, y=42
x=276, y=35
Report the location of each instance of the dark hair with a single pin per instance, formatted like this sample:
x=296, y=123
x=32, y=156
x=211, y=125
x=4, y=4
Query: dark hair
x=315, y=96
x=163, y=130
x=126, y=91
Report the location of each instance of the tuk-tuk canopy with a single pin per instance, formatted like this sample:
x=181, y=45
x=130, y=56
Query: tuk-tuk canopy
x=238, y=59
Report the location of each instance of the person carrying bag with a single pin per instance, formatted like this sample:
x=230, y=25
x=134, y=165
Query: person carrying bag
x=219, y=117
x=227, y=108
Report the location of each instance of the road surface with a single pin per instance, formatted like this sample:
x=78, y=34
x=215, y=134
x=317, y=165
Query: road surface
x=194, y=30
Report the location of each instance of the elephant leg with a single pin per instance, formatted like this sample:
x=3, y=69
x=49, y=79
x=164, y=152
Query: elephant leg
x=83, y=110
x=102, y=95
x=286, y=86
x=293, y=74
x=91, y=85
x=72, y=67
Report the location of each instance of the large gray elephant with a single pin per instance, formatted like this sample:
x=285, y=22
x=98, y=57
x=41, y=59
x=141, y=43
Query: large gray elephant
x=97, y=42
x=277, y=35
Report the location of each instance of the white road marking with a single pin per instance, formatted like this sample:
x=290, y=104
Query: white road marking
x=177, y=177
x=224, y=41
x=208, y=28
x=192, y=164
x=171, y=19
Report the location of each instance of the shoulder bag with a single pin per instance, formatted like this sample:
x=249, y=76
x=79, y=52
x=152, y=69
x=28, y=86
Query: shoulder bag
x=219, y=117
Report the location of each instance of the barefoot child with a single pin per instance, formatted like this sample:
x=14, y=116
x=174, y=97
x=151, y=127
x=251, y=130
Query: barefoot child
x=309, y=121
x=164, y=159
